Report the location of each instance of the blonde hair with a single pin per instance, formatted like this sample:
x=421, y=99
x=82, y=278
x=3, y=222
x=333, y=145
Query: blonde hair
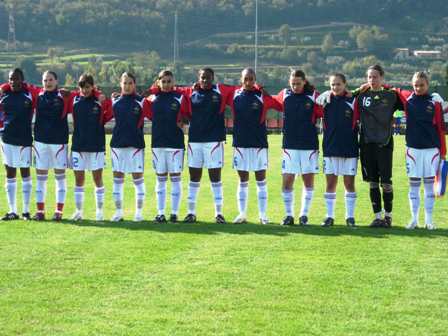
x=420, y=75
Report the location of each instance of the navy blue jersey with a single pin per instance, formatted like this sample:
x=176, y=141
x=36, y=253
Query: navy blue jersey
x=207, y=118
x=249, y=112
x=421, y=129
x=166, y=110
x=89, y=116
x=129, y=112
x=17, y=116
x=300, y=115
x=51, y=125
x=341, y=128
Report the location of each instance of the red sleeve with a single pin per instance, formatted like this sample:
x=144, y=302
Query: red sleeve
x=5, y=87
x=185, y=107
x=185, y=90
x=227, y=92
x=269, y=103
x=404, y=95
x=439, y=123
x=318, y=111
x=229, y=101
x=147, y=113
x=106, y=107
x=280, y=99
x=154, y=89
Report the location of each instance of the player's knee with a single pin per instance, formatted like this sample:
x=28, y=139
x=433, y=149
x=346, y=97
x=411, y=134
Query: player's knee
x=374, y=185
x=387, y=187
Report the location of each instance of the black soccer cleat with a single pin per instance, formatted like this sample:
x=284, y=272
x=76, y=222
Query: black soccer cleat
x=377, y=223
x=303, y=220
x=26, y=216
x=173, y=218
x=220, y=219
x=328, y=222
x=190, y=218
x=10, y=216
x=288, y=220
x=39, y=216
x=387, y=222
x=160, y=219
x=350, y=222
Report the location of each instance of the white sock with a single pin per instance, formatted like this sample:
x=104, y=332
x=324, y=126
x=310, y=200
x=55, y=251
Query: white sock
x=176, y=193
x=41, y=188
x=99, y=198
x=61, y=188
x=193, y=188
x=140, y=192
x=378, y=215
x=218, y=197
x=27, y=185
x=288, y=201
x=79, y=198
x=11, y=191
x=330, y=201
x=262, y=195
x=161, y=194
x=242, y=194
x=307, y=197
x=414, y=198
x=350, y=203
x=428, y=184
x=117, y=193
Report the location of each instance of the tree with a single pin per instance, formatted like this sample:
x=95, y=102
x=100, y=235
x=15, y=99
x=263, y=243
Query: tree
x=283, y=33
x=327, y=43
x=29, y=69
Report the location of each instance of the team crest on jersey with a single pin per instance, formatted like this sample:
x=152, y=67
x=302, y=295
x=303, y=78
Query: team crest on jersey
x=95, y=110
x=430, y=109
x=196, y=98
x=27, y=104
x=377, y=97
x=307, y=106
x=57, y=102
x=348, y=113
x=255, y=105
x=136, y=110
x=215, y=98
x=173, y=106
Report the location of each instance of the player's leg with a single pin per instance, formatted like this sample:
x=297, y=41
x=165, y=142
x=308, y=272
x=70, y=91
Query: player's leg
x=79, y=194
x=159, y=163
x=262, y=195
x=176, y=195
x=11, y=193
x=61, y=192
x=214, y=175
x=350, y=200
x=193, y=189
x=330, y=198
x=414, y=201
x=242, y=195
x=27, y=186
x=117, y=195
x=288, y=197
x=385, y=170
x=140, y=192
x=99, y=193
x=307, y=197
x=428, y=184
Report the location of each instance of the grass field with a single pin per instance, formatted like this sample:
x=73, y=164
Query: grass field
x=103, y=278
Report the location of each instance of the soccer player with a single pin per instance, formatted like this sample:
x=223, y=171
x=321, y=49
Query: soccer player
x=51, y=142
x=17, y=106
x=425, y=145
x=340, y=148
x=128, y=144
x=88, y=142
x=206, y=136
x=376, y=106
x=249, y=105
x=168, y=109
x=300, y=143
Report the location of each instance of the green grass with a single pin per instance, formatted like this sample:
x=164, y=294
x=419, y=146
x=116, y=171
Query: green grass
x=128, y=278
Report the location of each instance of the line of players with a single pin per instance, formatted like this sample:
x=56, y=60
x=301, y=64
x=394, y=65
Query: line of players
x=357, y=123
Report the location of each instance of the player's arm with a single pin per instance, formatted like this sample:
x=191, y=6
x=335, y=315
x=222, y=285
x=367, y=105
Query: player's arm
x=106, y=107
x=440, y=127
x=280, y=99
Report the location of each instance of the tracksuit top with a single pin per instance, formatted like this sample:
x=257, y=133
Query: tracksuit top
x=17, y=110
x=341, y=128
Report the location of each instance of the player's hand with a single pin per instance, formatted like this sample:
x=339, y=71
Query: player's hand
x=101, y=97
x=324, y=98
x=196, y=86
x=364, y=87
x=64, y=92
x=114, y=95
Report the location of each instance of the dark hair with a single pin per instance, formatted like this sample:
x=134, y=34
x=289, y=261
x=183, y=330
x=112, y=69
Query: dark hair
x=164, y=73
x=128, y=74
x=340, y=75
x=207, y=69
x=49, y=72
x=18, y=71
x=300, y=74
x=85, y=79
x=378, y=68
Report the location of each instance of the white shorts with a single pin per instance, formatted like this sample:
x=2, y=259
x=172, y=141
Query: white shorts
x=50, y=156
x=207, y=155
x=167, y=160
x=128, y=159
x=340, y=166
x=422, y=162
x=16, y=156
x=250, y=159
x=87, y=160
x=297, y=161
